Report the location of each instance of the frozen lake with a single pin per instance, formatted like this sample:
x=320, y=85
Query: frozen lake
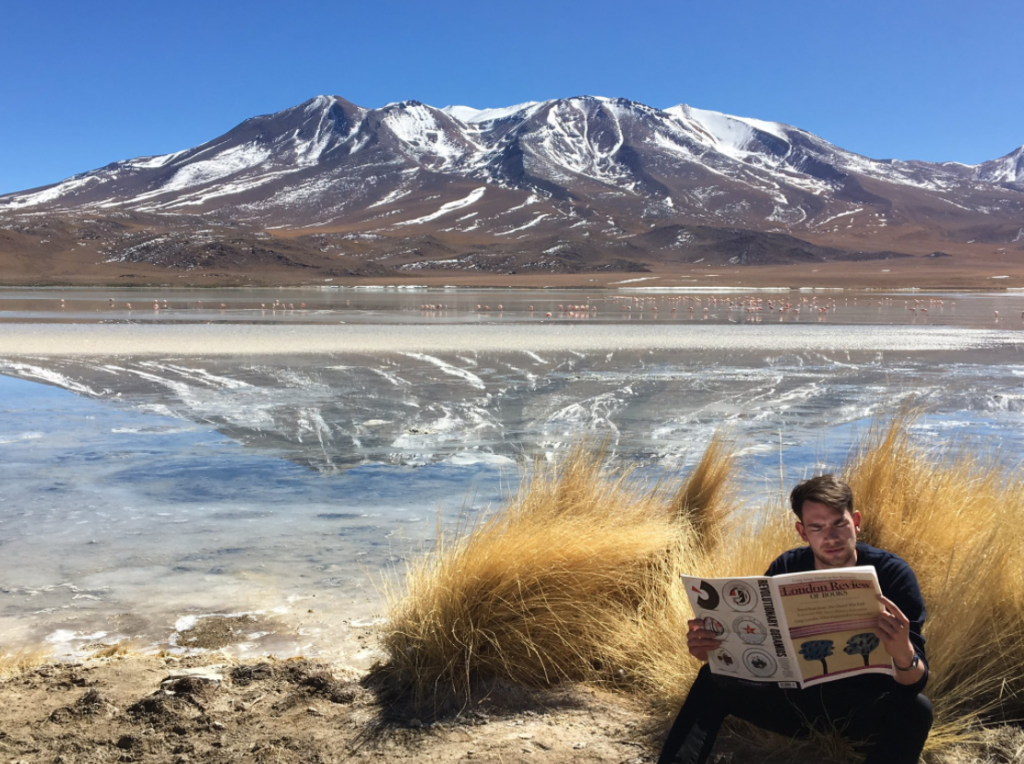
x=165, y=464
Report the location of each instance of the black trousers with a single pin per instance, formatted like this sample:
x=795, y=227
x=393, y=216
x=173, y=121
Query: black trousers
x=887, y=723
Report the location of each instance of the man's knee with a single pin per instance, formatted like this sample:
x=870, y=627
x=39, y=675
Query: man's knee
x=919, y=713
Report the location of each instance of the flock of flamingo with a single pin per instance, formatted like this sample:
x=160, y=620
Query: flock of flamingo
x=750, y=308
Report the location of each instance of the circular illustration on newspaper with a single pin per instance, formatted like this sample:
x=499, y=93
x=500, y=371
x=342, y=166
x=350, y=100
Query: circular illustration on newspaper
x=713, y=624
x=758, y=662
x=708, y=597
x=750, y=630
x=740, y=596
x=724, y=660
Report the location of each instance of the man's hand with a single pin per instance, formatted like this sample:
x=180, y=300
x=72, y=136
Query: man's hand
x=700, y=641
x=894, y=631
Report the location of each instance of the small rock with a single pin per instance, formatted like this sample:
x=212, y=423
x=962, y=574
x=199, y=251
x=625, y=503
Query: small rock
x=219, y=725
x=415, y=723
x=247, y=674
x=127, y=742
x=211, y=674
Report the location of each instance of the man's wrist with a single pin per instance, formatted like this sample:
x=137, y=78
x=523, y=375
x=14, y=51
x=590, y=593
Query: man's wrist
x=911, y=665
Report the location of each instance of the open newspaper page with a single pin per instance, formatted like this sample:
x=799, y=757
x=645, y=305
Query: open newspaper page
x=832, y=620
x=743, y=613
x=797, y=629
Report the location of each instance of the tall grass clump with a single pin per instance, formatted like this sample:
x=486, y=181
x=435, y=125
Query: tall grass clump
x=535, y=593
x=15, y=663
x=576, y=577
x=955, y=514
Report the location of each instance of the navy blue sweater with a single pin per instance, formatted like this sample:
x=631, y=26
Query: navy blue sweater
x=897, y=580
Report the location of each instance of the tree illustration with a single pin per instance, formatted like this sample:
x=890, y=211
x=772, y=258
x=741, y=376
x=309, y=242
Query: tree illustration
x=817, y=650
x=864, y=644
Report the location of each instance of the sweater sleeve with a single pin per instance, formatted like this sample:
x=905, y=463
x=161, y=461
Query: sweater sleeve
x=899, y=584
x=779, y=565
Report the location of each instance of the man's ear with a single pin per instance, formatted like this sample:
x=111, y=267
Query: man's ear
x=856, y=520
x=800, y=530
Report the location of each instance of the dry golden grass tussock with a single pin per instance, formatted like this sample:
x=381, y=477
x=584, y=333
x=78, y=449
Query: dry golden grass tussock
x=17, y=662
x=117, y=650
x=705, y=498
x=652, y=639
x=955, y=516
x=537, y=592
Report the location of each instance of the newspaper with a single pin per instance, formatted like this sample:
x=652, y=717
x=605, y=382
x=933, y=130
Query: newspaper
x=796, y=629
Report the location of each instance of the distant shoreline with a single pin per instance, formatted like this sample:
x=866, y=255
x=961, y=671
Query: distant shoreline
x=18, y=339
x=419, y=286
x=966, y=272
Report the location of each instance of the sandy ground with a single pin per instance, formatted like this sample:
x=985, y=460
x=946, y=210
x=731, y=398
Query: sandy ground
x=153, y=709
x=242, y=339
x=170, y=710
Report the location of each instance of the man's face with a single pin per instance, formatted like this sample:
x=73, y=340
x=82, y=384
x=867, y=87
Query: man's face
x=831, y=534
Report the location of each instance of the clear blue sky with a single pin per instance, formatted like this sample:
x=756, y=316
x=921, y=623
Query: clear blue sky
x=87, y=83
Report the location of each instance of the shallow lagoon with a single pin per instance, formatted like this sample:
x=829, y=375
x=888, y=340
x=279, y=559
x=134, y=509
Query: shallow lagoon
x=143, y=492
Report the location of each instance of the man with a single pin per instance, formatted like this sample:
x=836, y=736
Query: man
x=886, y=717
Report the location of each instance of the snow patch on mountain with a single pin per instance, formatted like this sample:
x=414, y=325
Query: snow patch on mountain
x=394, y=196
x=418, y=127
x=731, y=136
x=1007, y=169
x=474, y=196
x=531, y=224
x=227, y=163
x=51, y=194
x=475, y=116
x=147, y=163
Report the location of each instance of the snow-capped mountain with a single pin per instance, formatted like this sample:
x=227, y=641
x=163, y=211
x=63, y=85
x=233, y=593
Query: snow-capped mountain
x=564, y=174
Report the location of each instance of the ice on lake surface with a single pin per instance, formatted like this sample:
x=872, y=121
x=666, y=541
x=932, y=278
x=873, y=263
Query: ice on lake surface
x=143, y=492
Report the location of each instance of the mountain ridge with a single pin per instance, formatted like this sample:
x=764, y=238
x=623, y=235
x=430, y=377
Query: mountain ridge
x=583, y=174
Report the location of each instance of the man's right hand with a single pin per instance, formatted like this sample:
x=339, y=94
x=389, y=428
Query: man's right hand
x=700, y=641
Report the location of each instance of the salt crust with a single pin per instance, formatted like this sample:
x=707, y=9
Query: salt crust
x=242, y=340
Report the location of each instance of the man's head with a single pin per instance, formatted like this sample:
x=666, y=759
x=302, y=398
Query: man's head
x=827, y=520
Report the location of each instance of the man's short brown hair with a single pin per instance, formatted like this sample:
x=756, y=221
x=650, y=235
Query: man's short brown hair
x=824, y=489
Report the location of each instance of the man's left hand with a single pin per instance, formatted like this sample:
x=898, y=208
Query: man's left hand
x=894, y=631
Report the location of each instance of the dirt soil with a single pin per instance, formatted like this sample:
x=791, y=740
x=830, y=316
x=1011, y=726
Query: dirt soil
x=174, y=710
x=156, y=709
